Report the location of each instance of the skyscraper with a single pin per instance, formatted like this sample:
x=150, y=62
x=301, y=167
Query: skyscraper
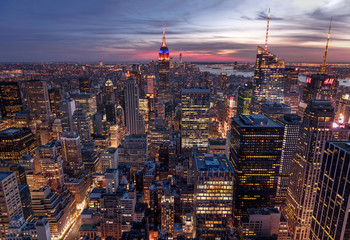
x=55, y=208
x=268, y=86
x=291, y=88
x=55, y=95
x=213, y=196
x=66, y=110
x=320, y=86
x=10, y=201
x=164, y=68
x=291, y=123
x=48, y=163
x=81, y=125
x=255, y=153
x=167, y=218
x=330, y=218
x=343, y=109
x=84, y=85
x=133, y=120
x=315, y=130
x=195, y=119
x=71, y=154
x=38, y=100
x=109, y=101
x=244, y=99
x=14, y=142
x=10, y=99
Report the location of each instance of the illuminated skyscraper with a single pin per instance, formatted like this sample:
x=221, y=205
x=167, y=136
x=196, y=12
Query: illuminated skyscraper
x=164, y=68
x=14, y=142
x=255, y=153
x=343, y=109
x=320, y=86
x=48, y=163
x=213, y=196
x=167, y=218
x=38, y=100
x=291, y=123
x=268, y=86
x=81, y=125
x=10, y=99
x=330, y=218
x=291, y=88
x=315, y=130
x=86, y=101
x=10, y=201
x=56, y=209
x=71, y=154
x=195, y=105
x=244, y=99
x=109, y=101
x=109, y=159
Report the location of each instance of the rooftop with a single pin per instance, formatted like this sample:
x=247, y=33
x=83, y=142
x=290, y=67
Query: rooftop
x=345, y=145
x=12, y=132
x=213, y=163
x=264, y=211
x=111, y=150
x=4, y=175
x=255, y=121
x=195, y=91
x=293, y=119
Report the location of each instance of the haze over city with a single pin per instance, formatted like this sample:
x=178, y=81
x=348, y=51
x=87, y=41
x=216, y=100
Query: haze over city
x=130, y=31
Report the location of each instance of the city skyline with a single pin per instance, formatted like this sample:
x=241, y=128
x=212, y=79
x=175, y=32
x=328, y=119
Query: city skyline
x=217, y=31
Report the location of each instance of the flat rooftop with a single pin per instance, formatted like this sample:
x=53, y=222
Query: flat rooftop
x=256, y=121
x=264, y=211
x=345, y=145
x=195, y=91
x=111, y=150
x=10, y=132
x=4, y=175
x=213, y=163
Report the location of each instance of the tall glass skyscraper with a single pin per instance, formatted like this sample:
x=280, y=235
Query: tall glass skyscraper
x=255, y=153
x=195, y=119
x=330, y=218
x=268, y=85
x=315, y=130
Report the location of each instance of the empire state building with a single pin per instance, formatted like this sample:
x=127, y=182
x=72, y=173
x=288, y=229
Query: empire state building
x=164, y=66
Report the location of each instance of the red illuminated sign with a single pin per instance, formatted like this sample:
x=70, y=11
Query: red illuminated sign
x=328, y=81
x=308, y=80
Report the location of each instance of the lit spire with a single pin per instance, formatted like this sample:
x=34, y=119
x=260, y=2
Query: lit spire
x=163, y=43
x=323, y=67
x=267, y=30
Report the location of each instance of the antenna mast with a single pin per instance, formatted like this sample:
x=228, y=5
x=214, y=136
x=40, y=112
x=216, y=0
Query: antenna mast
x=267, y=30
x=323, y=67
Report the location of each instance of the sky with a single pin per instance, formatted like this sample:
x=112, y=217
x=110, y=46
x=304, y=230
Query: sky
x=119, y=31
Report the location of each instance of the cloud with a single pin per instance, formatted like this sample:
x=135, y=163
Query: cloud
x=217, y=29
